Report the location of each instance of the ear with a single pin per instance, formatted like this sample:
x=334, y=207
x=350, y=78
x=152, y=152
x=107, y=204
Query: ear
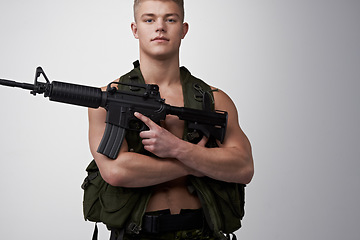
x=134, y=30
x=185, y=29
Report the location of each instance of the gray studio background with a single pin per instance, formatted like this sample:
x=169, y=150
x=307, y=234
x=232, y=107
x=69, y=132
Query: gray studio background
x=291, y=67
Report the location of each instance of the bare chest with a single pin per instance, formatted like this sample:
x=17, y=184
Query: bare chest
x=173, y=124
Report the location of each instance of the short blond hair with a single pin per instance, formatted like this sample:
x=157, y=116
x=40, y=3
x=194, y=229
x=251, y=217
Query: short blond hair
x=180, y=3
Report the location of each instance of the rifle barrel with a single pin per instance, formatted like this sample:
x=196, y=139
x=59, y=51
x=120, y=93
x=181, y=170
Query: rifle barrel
x=10, y=83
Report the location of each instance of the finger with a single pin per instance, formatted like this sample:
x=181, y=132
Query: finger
x=148, y=122
x=146, y=134
x=203, y=141
x=147, y=142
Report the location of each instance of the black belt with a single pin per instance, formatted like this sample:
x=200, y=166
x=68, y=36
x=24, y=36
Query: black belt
x=163, y=221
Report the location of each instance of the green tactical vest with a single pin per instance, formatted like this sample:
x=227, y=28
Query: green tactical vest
x=123, y=208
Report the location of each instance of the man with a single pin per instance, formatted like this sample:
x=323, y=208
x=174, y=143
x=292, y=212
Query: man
x=159, y=26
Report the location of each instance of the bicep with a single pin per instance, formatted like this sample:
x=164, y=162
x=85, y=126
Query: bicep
x=234, y=136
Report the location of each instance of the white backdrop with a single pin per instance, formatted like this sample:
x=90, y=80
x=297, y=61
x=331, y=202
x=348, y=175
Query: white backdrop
x=291, y=67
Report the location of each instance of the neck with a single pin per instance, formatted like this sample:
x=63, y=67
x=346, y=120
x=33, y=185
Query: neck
x=160, y=72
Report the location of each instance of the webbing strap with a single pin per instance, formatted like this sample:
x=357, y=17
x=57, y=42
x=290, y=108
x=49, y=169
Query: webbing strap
x=117, y=234
x=96, y=231
x=233, y=236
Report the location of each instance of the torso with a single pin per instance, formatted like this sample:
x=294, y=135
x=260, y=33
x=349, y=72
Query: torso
x=173, y=195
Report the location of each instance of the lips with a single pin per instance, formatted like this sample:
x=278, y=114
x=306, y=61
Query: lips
x=160, y=39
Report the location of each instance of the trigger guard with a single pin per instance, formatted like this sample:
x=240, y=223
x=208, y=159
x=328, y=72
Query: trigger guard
x=136, y=125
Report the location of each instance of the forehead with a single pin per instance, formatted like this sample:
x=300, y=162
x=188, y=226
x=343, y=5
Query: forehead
x=157, y=7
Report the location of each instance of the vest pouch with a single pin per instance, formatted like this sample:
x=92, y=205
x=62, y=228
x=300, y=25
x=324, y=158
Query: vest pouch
x=105, y=203
x=230, y=198
x=224, y=201
x=117, y=204
x=92, y=186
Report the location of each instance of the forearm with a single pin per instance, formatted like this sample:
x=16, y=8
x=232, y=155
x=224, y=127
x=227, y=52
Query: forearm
x=136, y=170
x=230, y=164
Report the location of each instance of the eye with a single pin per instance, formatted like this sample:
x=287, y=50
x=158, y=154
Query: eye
x=171, y=20
x=148, y=20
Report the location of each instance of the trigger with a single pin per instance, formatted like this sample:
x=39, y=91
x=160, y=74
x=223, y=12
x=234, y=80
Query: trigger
x=136, y=125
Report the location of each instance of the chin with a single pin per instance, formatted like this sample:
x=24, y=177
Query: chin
x=163, y=55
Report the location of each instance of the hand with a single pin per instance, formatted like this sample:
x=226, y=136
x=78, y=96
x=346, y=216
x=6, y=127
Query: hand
x=157, y=139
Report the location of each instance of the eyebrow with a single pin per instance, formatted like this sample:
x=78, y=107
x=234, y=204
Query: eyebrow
x=166, y=15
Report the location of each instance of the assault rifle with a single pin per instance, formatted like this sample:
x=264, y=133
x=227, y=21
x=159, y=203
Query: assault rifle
x=121, y=105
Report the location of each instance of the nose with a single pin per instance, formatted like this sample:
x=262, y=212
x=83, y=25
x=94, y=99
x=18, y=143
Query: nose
x=160, y=26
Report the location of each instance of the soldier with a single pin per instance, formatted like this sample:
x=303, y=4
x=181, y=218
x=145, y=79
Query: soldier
x=167, y=161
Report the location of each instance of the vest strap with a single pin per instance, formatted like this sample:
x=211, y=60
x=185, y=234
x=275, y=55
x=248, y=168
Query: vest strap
x=96, y=232
x=117, y=234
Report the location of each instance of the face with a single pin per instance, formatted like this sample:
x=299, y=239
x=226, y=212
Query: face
x=158, y=26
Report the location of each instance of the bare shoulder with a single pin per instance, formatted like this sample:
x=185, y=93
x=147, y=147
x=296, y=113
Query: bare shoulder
x=234, y=137
x=223, y=102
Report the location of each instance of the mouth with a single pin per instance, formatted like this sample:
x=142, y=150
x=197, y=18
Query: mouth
x=160, y=39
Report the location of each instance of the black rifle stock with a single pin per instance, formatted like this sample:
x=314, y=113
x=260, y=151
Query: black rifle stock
x=120, y=107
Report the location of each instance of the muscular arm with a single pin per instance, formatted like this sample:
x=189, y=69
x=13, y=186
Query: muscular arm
x=130, y=169
x=231, y=162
